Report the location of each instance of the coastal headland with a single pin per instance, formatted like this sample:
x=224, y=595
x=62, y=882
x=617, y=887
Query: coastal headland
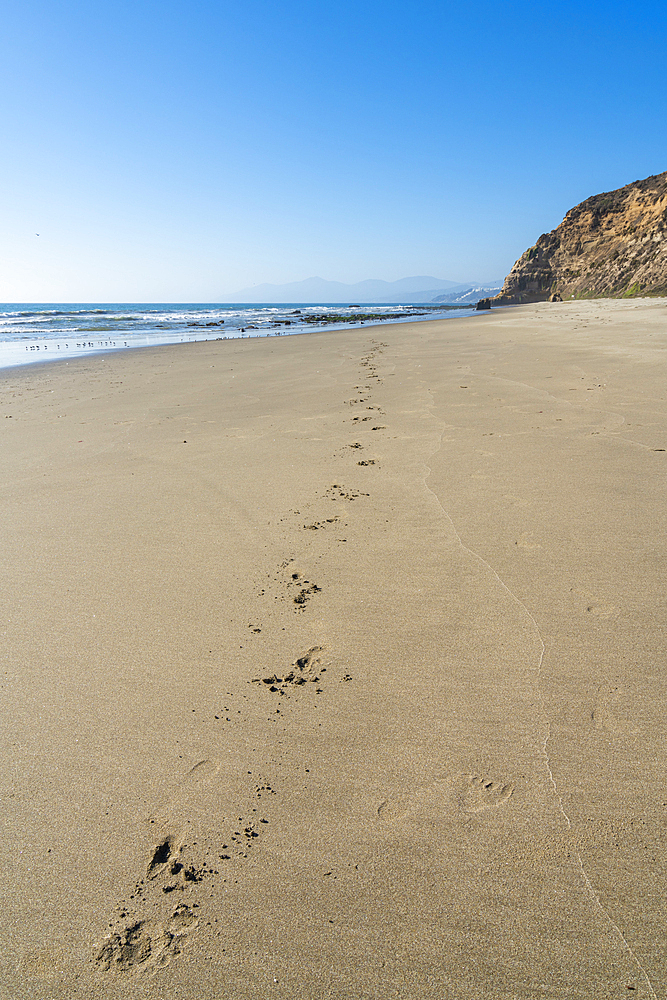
x=612, y=244
x=333, y=665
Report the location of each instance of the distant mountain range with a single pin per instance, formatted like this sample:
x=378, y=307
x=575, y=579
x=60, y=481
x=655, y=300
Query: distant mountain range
x=422, y=288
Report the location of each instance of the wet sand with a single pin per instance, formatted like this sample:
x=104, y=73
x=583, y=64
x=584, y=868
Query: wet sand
x=333, y=665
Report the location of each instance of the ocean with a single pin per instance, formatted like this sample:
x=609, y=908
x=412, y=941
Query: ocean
x=38, y=332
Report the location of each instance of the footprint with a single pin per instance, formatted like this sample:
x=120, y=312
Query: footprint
x=182, y=920
x=483, y=793
x=164, y=853
x=296, y=580
x=144, y=943
x=444, y=798
x=307, y=667
x=132, y=946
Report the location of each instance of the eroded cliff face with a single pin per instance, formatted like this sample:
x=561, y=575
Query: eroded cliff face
x=612, y=244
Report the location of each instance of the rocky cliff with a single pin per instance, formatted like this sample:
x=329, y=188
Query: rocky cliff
x=612, y=244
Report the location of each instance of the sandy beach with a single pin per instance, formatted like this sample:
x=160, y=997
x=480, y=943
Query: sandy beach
x=333, y=666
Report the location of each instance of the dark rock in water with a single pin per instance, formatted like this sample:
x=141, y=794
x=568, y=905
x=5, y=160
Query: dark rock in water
x=483, y=304
x=613, y=244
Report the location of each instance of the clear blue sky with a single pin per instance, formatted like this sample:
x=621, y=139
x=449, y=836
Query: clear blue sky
x=177, y=151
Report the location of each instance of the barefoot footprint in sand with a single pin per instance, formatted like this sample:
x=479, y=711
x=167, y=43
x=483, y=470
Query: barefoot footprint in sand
x=470, y=793
x=483, y=793
x=144, y=943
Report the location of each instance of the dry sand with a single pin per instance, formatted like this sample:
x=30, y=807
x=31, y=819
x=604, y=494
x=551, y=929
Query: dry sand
x=333, y=665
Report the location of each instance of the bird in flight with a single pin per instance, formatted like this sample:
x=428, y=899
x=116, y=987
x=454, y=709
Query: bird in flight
x=36, y=234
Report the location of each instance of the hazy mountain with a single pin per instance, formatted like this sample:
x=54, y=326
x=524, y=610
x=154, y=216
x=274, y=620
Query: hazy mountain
x=313, y=290
x=427, y=296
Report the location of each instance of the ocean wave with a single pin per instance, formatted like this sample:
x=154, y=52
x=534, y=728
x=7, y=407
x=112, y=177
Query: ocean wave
x=65, y=312
x=92, y=329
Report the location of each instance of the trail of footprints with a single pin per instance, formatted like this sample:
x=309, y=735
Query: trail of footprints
x=152, y=927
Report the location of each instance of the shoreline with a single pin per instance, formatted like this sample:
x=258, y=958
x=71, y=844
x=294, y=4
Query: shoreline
x=308, y=331
x=262, y=320
x=333, y=664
